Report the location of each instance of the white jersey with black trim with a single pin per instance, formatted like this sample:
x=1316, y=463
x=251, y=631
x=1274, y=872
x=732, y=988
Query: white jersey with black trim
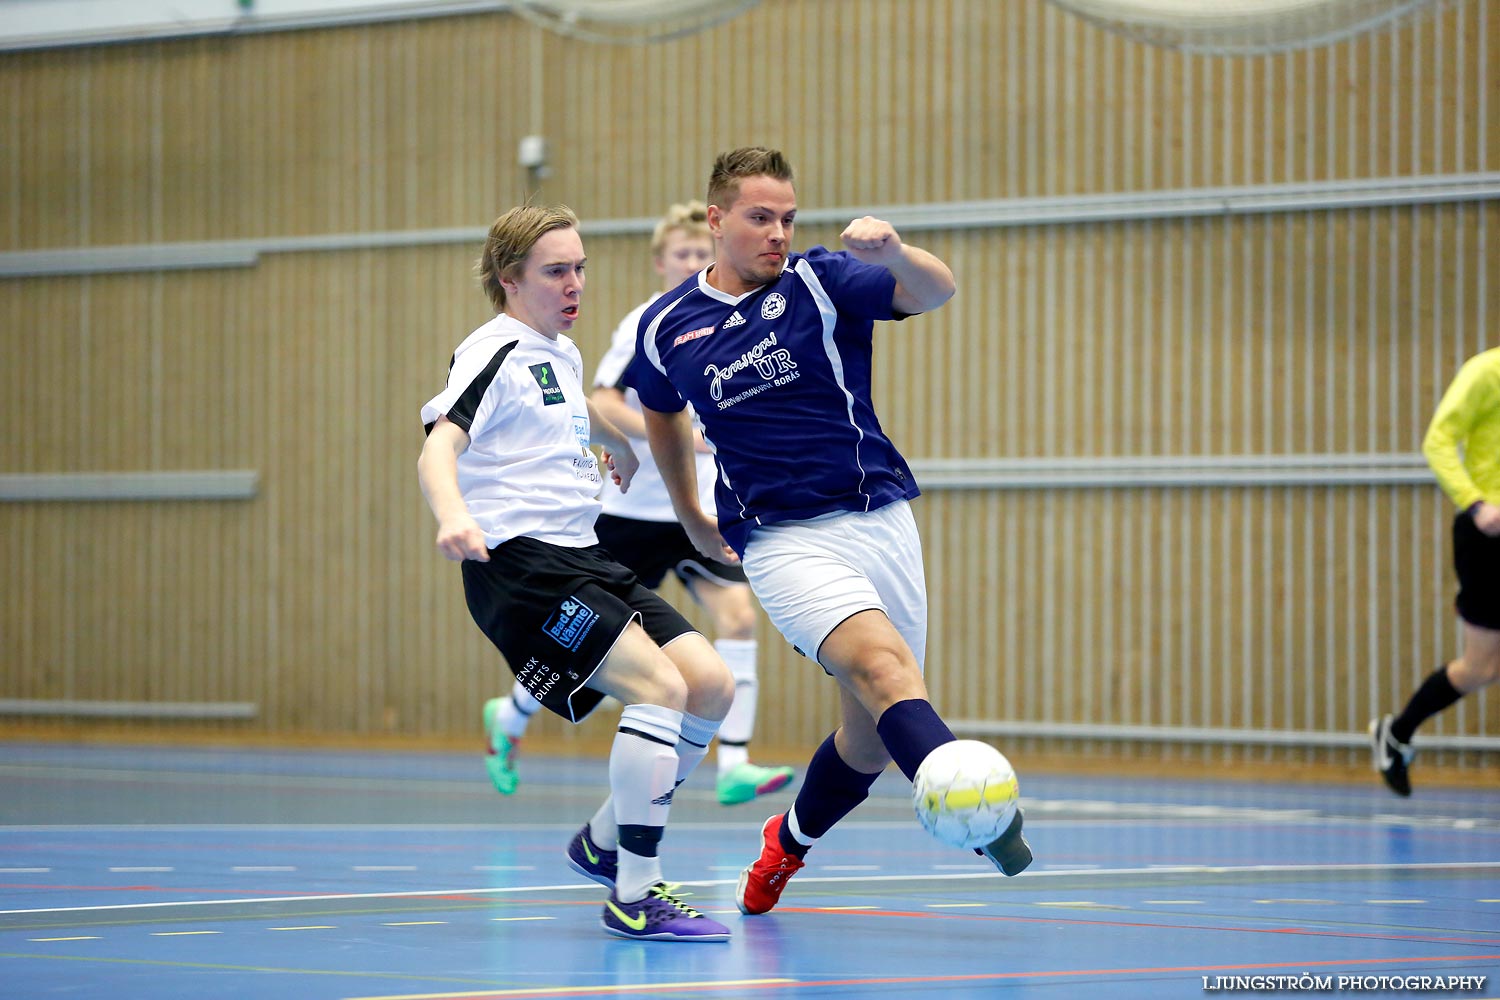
x=780, y=377
x=528, y=469
x=647, y=499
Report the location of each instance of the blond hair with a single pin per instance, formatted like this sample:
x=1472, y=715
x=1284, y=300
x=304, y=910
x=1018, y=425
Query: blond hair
x=688, y=217
x=748, y=161
x=509, y=243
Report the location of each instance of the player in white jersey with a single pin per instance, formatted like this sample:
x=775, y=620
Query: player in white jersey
x=773, y=350
x=509, y=476
x=639, y=529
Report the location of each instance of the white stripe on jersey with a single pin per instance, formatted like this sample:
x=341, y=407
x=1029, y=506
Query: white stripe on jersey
x=647, y=498
x=830, y=317
x=653, y=355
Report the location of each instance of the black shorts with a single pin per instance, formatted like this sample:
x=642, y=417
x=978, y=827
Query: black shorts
x=651, y=548
x=1476, y=557
x=555, y=612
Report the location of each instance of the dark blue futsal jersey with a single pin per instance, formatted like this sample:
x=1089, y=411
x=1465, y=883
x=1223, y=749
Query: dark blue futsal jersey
x=780, y=377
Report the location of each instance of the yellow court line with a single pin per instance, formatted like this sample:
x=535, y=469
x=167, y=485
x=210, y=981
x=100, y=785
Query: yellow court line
x=584, y=990
x=181, y=933
x=83, y=937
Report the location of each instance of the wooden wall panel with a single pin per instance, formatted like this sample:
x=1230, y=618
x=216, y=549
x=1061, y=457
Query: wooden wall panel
x=416, y=124
x=323, y=600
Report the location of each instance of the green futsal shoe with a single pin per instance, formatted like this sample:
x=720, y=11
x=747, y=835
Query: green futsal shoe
x=744, y=782
x=500, y=752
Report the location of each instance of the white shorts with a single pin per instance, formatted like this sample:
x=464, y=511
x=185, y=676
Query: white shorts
x=812, y=575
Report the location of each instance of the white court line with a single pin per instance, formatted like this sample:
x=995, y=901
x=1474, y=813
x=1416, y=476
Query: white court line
x=512, y=920
x=1095, y=814
x=802, y=880
x=260, y=780
x=1086, y=810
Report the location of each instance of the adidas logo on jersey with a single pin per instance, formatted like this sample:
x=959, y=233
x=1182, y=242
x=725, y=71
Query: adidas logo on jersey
x=735, y=319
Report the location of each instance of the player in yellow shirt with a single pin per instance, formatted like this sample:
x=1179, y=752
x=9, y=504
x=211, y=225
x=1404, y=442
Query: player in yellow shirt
x=1463, y=447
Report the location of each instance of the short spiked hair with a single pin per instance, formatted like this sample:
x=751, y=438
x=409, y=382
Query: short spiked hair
x=736, y=165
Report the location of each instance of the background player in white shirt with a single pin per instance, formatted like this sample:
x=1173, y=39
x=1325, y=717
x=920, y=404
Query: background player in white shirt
x=773, y=349
x=640, y=530
x=508, y=473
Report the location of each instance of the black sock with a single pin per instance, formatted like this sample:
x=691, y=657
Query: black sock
x=1436, y=693
x=910, y=731
x=641, y=841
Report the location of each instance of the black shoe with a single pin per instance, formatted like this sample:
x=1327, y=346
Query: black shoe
x=1009, y=852
x=1390, y=756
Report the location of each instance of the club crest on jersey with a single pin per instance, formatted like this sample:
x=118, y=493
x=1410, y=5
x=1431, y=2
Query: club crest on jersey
x=570, y=623
x=547, y=379
x=734, y=320
x=773, y=306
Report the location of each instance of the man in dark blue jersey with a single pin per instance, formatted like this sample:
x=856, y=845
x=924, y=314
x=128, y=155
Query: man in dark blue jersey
x=773, y=350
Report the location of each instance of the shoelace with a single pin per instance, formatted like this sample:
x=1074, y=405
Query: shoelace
x=668, y=892
x=783, y=870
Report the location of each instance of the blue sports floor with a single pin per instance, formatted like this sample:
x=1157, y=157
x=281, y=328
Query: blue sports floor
x=132, y=873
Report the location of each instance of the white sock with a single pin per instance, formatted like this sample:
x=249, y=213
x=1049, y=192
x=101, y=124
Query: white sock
x=795, y=828
x=730, y=757
x=739, y=725
x=697, y=734
x=642, y=774
x=602, y=829
x=516, y=712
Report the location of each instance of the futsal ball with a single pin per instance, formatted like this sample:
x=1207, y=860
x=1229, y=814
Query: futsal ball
x=965, y=793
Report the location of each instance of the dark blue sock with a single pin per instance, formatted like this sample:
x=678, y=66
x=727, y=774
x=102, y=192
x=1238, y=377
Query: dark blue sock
x=830, y=791
x=910, y=731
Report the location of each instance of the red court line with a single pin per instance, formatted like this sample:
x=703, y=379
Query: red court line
x=992, y=918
